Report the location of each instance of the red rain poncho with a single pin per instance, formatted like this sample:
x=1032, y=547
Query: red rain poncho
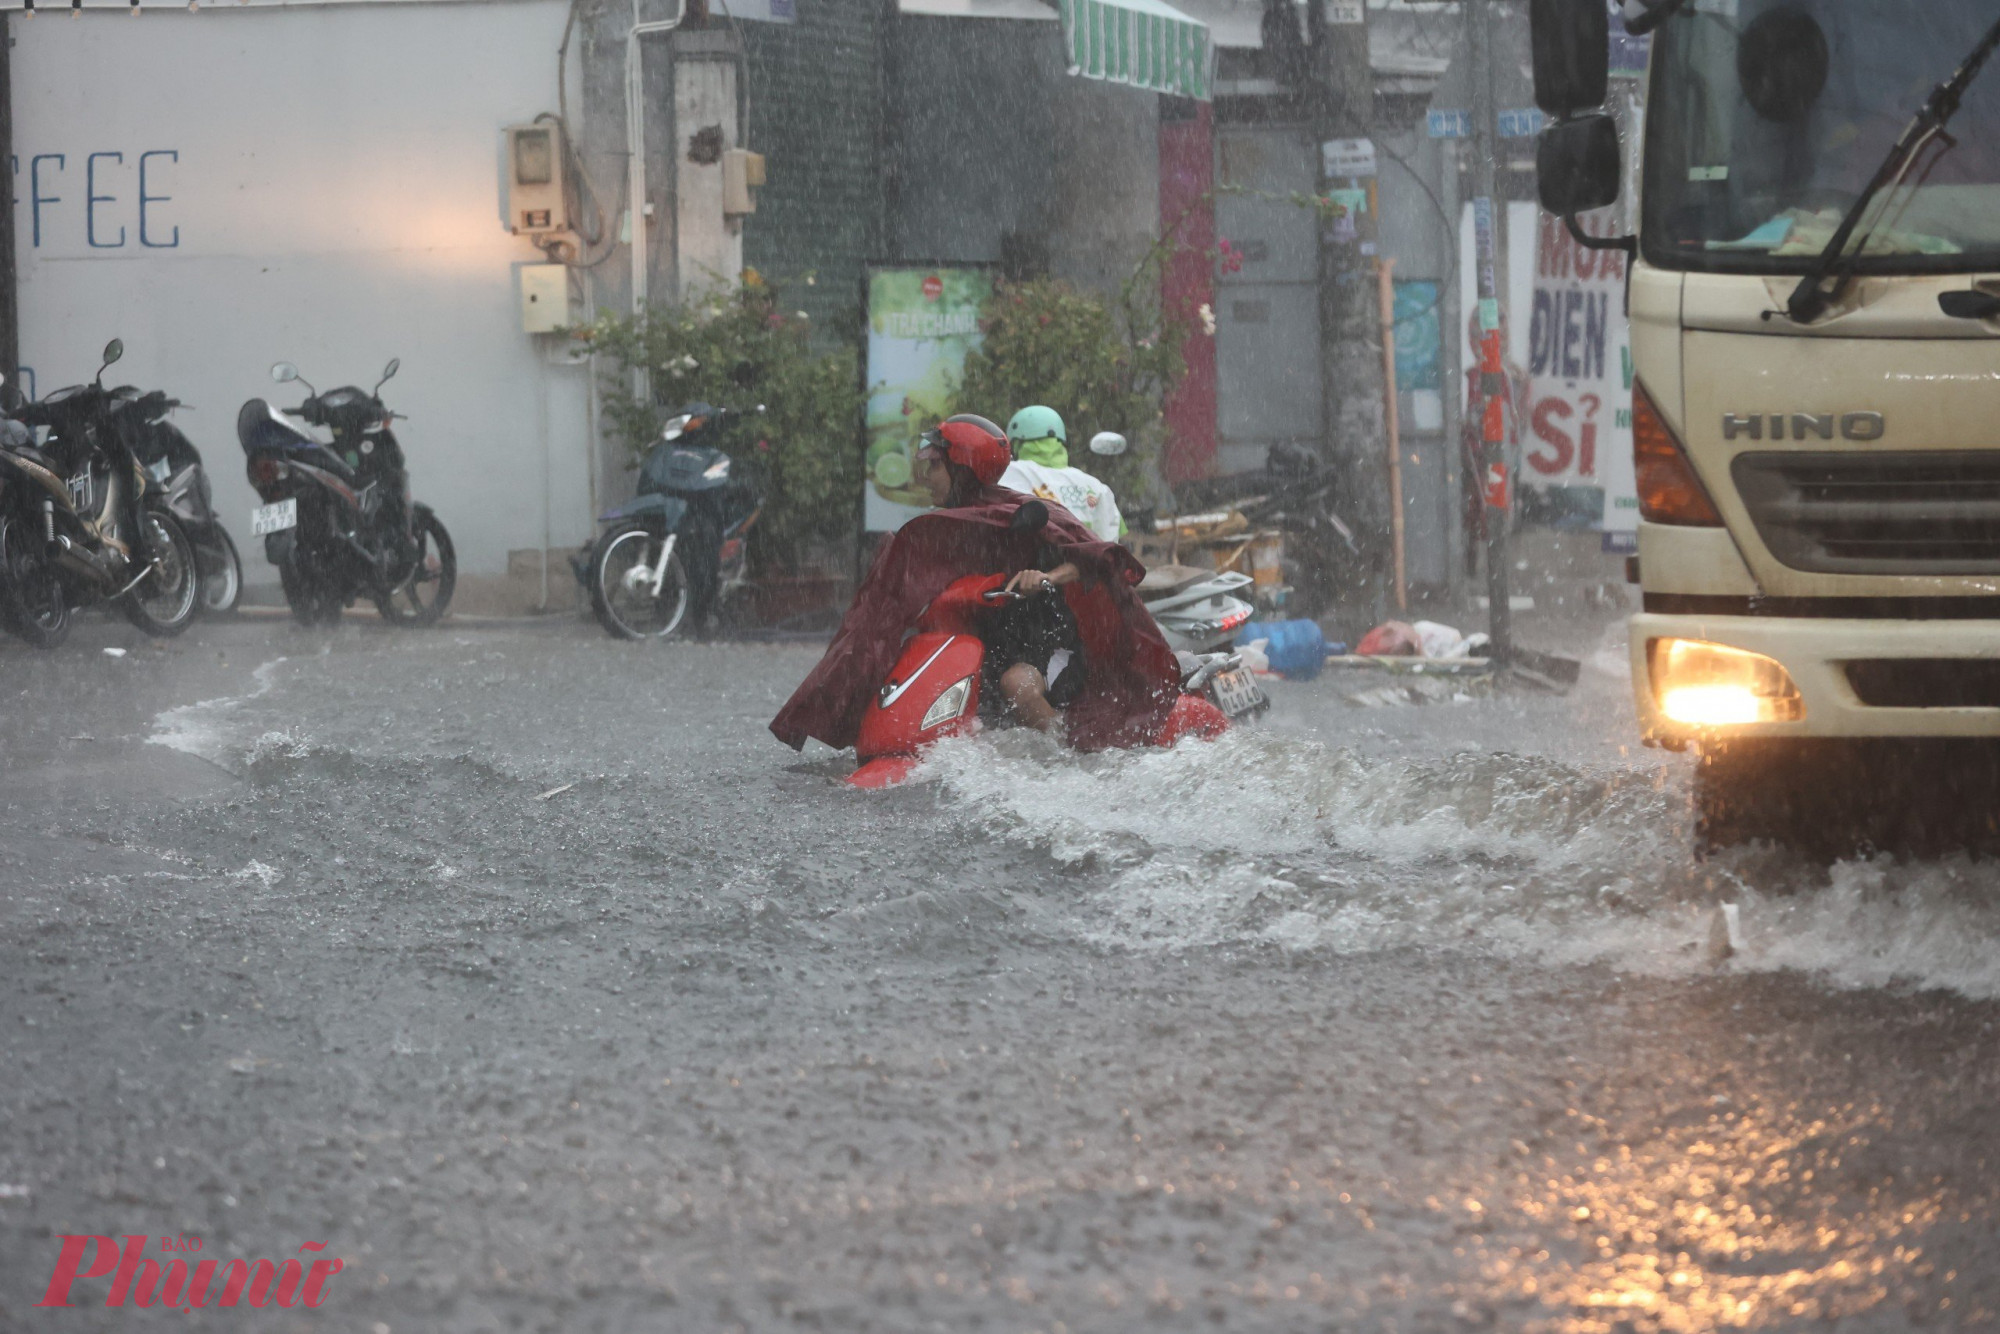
x=1132, y=678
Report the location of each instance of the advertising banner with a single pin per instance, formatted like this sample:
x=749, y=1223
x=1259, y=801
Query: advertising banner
x=1577, y=446
x=921, y=323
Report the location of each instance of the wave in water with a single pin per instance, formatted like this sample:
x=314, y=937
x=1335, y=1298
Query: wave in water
x=1272, y=839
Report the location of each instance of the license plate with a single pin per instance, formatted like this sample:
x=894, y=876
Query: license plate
x=268, y=519
x=1236, y=693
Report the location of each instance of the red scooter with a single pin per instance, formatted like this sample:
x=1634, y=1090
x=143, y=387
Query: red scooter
x=933, y=690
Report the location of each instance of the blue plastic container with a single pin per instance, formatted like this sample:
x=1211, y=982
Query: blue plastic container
x=1297, y=649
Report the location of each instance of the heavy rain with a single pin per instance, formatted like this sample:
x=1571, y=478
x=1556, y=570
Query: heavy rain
x=999, y=665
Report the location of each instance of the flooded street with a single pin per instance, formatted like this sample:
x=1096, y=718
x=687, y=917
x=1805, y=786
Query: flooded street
x=526, y=971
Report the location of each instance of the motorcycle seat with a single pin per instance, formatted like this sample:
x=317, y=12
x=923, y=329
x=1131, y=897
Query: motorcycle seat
x=1164, y=581
x=33, y=455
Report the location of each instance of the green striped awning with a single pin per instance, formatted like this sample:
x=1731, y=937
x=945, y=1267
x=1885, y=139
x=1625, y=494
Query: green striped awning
x=1141, y=42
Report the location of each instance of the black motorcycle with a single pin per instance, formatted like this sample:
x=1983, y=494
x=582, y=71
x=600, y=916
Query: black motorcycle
x=174, y=465
x=81, y=522
x=669, y=557
x=337, y=518
x=1294, y=492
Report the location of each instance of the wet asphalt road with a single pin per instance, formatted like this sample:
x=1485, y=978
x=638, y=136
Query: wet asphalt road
x=1393, y=1017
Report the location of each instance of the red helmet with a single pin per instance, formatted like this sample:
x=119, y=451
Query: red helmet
x=972, y=442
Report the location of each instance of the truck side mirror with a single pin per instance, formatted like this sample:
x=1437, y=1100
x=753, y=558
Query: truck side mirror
x=1577, y=166
x=1571, y=41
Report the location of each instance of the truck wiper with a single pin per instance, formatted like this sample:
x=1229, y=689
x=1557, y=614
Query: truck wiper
x=1813, y=295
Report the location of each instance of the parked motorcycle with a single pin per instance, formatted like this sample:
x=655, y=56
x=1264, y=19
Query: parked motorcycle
x=1197, y=610
x=337, y=519
x=81, y=522
x=174, y=465
x=671, y=555
x=1293, y=492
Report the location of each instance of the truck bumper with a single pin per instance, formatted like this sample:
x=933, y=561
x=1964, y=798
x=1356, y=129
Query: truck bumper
x=1815, y=653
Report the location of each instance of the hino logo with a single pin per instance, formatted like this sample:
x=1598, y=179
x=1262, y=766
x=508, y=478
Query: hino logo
x=1805, y=425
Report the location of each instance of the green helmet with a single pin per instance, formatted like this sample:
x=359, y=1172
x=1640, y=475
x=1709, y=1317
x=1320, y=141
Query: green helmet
x=1035, y=423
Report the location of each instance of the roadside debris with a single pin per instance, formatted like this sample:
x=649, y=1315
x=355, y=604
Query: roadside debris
x=555, y=792
x=1295, y=650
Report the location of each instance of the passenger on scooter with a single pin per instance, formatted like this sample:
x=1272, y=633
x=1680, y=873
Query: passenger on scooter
x=1041, y=467
x=1127, y=680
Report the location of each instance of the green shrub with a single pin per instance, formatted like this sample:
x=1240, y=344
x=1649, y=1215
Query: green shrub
x=1102, y=369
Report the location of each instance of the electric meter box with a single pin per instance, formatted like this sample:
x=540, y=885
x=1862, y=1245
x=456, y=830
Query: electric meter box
x=742, y=171
x=533, y=157
x=544, y=298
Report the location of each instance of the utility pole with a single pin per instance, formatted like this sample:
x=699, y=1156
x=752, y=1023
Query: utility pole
x=1343, y=104
x=1489, y=217
x=10, y=308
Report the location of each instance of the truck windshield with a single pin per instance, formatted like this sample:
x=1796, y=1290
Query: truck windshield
x=1767, y=117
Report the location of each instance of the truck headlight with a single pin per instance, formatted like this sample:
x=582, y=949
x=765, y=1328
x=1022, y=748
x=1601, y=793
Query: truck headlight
x=1712, y=685
x=947, y=706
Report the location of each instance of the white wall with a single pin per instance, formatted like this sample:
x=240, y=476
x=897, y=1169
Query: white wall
x=322, y=188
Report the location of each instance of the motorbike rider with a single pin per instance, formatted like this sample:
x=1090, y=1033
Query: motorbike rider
x=1041, y=468
x=1034, y=654
x=1127, y=678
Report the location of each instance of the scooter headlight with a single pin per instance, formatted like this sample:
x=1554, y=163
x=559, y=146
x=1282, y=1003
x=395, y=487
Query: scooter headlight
x=676, y=427
x=947, y=706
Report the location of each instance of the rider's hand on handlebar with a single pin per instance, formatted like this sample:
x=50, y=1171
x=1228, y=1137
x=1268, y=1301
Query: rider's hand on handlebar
x=1030, y=582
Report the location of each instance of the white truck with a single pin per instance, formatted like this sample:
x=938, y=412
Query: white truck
x=1815, y=315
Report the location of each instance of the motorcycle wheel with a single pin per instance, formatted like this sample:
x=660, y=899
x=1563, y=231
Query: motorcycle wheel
x=33, y=603
x=423, y=597
x=310, y=603
x=164, y=602
x=220, y=590
x=623, y=597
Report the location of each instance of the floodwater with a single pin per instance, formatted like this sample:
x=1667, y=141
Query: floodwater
x=527, y=972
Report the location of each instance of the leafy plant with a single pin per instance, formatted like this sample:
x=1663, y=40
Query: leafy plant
x=1105, y=365
x=1048, y=343
x=738, y=349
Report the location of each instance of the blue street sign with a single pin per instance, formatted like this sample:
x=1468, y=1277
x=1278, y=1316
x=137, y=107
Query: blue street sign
x=1450, y=125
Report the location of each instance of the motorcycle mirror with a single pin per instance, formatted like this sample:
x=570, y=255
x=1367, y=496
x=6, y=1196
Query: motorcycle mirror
x=389, y=371
x=1032, y=517
x=112, y=351
x=284, y=372
x=1108, y=443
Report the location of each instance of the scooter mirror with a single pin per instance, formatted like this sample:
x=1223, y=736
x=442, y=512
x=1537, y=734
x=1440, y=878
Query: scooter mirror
x=284, y=372
x=1108, y=443
x=389, y=371
x=114, y=350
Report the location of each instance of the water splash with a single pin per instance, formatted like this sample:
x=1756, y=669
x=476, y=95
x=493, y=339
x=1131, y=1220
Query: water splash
x=1263, y=838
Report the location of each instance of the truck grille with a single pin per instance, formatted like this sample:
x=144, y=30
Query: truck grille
x=1926, y=683
x=1904, y=512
